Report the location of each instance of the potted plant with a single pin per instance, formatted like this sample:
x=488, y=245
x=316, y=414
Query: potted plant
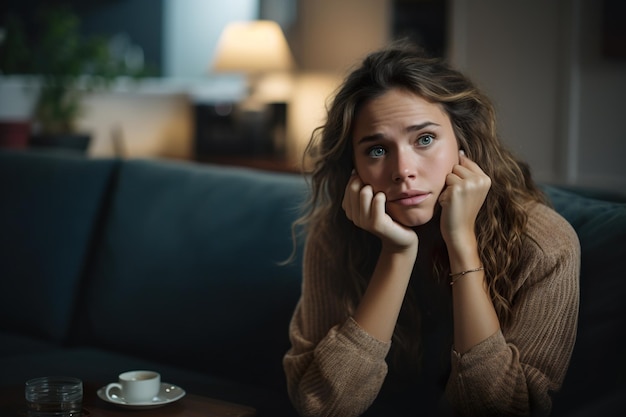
x=67, y=66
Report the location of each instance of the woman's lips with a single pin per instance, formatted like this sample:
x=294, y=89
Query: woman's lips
x=411, y=200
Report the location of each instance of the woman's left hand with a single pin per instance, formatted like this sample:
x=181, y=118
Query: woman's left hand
x=465, y=192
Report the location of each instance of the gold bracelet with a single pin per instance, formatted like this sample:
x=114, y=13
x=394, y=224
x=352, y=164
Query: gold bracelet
x=458, y=275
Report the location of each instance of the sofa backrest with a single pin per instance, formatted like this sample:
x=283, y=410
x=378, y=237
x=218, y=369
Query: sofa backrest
x=50, y=206
x=189, y=271
x=598, y=364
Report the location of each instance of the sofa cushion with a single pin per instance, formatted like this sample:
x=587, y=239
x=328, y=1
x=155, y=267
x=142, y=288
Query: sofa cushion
x=191, y=253
x=50, y=205
x=12, y=344
x=598, y=363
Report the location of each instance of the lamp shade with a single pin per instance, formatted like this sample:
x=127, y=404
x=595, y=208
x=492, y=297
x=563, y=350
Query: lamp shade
x=252, y=47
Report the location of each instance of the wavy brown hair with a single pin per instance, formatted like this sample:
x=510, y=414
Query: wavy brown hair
x=500, y=224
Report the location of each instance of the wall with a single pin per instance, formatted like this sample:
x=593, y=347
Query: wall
x=332, y=35
x=510, y=49
x=598, y=122
x=192, y=29
x=139, y=22
x=558, y=101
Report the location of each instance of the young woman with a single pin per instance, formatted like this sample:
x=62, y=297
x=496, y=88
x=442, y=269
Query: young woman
x=436, y=278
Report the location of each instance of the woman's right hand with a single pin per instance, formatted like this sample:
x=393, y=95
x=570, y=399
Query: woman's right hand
x=367, y=211
x=378, y=309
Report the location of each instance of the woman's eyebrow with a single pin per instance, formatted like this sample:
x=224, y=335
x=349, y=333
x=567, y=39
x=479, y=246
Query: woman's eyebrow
x=421, y=126
x=371, y=138
x=413, y=128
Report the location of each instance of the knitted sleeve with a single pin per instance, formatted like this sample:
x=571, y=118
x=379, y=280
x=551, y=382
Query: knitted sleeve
x=334, y=368
x=513, y=371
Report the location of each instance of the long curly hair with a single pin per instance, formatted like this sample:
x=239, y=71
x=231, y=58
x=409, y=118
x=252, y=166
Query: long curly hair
x=352, y=252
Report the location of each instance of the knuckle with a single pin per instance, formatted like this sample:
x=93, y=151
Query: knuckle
x=380, y=197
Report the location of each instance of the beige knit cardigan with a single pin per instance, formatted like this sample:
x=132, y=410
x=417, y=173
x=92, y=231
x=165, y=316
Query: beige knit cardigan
x=334, y=368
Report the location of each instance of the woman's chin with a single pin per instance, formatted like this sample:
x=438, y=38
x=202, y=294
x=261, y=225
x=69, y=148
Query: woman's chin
x=411, y=220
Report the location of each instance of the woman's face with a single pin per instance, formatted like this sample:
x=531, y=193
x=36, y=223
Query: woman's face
x=405, y=147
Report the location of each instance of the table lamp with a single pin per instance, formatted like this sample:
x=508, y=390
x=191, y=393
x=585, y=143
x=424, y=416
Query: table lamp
x=253, y=48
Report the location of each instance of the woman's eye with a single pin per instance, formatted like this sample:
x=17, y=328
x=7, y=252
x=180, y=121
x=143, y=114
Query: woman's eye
x=376, y=151
x=425, y=140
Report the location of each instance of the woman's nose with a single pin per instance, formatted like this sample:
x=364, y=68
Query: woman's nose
x=404, y=168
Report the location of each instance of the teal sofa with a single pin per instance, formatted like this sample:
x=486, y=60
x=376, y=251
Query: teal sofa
x=108, y=265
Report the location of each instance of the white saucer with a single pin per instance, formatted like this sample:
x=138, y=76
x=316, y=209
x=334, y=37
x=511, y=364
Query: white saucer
x=168, y=394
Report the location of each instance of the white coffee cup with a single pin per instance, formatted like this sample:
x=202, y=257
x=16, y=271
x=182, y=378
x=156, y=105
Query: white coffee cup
x=135, y=386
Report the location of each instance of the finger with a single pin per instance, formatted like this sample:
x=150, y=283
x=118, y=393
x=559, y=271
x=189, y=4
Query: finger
x=444, y=197
x=365, y=203
x=350, y=195
x=345, y=205
x=378, y=206
x=465, y=162
x=461, y=155
x=355, y=200
x=462, y=171
x=453, y=178
x=467, y=172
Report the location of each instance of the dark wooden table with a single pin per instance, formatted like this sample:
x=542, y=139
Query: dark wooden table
x=12, y=403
